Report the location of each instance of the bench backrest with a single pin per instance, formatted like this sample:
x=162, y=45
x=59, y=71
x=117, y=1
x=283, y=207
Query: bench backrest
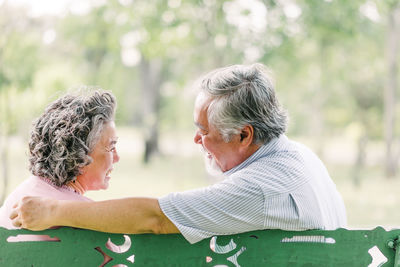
x=77, y=247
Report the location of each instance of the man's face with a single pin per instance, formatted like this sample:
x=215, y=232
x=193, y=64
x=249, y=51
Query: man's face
x=96, y=175
x=224, y=155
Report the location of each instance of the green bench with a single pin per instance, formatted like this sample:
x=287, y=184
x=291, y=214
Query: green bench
x=77, y=247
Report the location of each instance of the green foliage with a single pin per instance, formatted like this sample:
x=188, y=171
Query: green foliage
x=327, y=56
x=19, y=55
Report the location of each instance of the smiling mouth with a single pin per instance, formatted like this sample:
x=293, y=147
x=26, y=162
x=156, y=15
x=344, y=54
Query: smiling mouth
x=108, y=173
x=205, y=153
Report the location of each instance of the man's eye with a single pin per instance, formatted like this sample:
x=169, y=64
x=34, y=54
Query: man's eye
x=201, y=132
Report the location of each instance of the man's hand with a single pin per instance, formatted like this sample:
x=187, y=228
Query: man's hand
x=127, y=215
x=33, y=213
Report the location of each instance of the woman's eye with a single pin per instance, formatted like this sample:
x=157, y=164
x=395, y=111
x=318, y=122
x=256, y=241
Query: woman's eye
x=111, y=149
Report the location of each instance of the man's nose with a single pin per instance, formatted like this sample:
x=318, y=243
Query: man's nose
x=197, y=138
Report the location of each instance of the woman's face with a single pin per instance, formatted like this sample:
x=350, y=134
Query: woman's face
x=96, y=175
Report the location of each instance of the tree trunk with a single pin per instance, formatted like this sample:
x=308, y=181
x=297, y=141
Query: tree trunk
x=151, y=80
x=4, y=167
x=360, y=160
x=4, y=147
x=317, y=104
x=392, y=50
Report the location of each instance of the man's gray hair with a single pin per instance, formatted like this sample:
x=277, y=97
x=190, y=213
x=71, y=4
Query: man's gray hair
x=64, y=135
x=244, y=95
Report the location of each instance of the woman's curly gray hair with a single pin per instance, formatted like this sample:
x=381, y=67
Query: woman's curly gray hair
x=64, y=135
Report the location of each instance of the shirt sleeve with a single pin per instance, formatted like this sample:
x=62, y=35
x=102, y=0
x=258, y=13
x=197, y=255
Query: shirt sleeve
x=232, y=206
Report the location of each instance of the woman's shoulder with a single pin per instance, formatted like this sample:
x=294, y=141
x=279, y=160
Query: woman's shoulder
x=36, y=186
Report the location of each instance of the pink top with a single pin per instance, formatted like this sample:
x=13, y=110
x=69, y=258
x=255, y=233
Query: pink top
x=35, y=186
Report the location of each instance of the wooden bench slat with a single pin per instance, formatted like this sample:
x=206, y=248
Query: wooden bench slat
x=259, y=248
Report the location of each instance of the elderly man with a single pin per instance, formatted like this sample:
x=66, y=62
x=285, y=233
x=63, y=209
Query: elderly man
x=270, y=182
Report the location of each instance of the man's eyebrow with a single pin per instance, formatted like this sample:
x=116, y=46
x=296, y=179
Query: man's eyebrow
x=199, y=126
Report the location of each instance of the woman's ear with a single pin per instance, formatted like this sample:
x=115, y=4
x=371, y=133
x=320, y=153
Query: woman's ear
x=247, y=135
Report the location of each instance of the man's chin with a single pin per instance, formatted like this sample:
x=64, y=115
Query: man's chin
x=212, y=167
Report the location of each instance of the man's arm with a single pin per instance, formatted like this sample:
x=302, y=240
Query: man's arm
x=128, y=215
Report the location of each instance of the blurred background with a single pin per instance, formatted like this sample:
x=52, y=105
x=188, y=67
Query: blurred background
x=335, y=64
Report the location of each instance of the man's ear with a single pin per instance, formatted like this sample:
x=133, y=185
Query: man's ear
x=247, y=135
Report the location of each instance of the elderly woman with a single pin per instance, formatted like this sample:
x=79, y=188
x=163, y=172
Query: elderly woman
x=72, y=150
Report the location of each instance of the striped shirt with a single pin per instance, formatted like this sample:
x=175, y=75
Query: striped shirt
x=283, y=185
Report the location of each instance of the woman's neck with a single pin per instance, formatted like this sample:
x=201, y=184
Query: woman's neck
x=77, y=187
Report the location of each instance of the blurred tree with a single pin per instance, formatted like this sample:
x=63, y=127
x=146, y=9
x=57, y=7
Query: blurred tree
x=18, y=61
x=392, y=51
x=363, y=79
x=153, y=36
x=327, y=27
x=130, y=41
x=326, y=55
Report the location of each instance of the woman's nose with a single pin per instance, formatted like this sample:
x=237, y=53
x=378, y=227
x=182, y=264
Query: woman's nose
x=115, y=157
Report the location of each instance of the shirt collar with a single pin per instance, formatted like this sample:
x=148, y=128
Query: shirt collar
x=268, y=148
